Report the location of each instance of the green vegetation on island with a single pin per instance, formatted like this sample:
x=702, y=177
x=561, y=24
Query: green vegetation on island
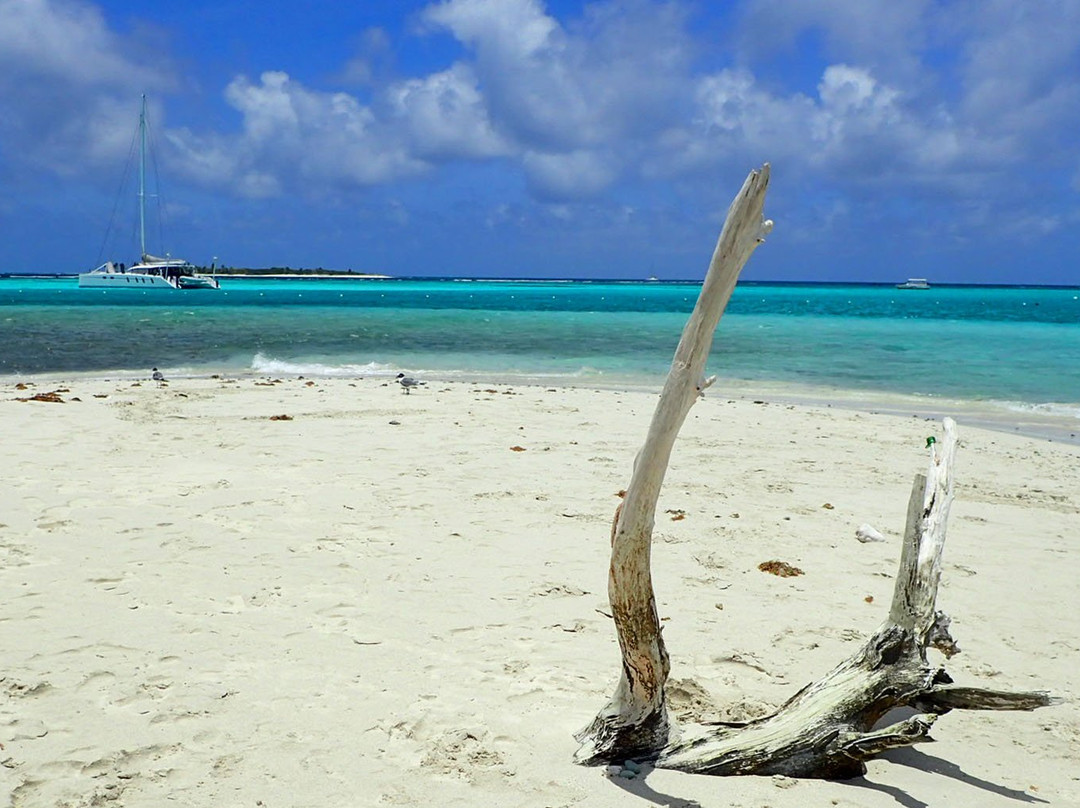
x=287, y=271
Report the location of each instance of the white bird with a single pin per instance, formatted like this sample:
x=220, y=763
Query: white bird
x=407, y=382
x=158, y=376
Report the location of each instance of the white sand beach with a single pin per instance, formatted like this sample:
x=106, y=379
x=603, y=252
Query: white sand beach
x=392, y=599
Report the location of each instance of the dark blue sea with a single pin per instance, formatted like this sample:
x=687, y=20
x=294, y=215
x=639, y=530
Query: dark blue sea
x=1018, y=346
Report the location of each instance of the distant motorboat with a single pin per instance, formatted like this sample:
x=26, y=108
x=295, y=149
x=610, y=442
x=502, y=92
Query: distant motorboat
x=196, y=281
x=913, y=283
x=151, y=272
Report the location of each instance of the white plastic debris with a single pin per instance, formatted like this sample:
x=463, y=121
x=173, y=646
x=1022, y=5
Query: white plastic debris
x=867, y=533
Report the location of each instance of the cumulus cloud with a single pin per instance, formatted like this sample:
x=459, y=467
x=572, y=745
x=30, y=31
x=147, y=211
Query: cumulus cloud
x=734, y=114
x=68, y=84
x=298, y=138
x=302, y=136
x=571, y=107
x=66, y=41
x=886, y=37
x=1020, y=71
x=1004, y=76
x=520, y=54
x=569, y=175
x=857, y=114
x=445, y=116
x=215, y=161
x=614, y=76
x=627, y=91
x=855, y=129
x=294, y=139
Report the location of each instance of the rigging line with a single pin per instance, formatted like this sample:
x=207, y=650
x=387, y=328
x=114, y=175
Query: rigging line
x=120, y=192
x=152, y=150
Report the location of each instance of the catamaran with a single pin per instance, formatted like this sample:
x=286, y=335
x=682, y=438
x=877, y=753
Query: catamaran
x=151, y=272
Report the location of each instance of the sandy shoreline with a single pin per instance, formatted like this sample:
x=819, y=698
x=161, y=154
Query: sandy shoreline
x=398, y=600
x=1052, y=422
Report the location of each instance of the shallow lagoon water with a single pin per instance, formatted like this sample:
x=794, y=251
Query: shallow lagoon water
x=1019, y=346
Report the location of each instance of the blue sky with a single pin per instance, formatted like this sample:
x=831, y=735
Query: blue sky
x=521, y=138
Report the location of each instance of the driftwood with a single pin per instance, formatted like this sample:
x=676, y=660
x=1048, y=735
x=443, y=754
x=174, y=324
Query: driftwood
x=829, y=728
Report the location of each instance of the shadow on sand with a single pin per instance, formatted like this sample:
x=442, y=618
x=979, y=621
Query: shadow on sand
x=639, y=788
x=928, y=763
x=901, y=757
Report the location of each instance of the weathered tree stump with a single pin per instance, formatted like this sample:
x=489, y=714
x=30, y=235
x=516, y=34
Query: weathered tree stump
x=827, y=729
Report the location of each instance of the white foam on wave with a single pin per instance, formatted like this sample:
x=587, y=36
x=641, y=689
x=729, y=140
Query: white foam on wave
x=1050, y=409
x=268, y=365
x=281, y=367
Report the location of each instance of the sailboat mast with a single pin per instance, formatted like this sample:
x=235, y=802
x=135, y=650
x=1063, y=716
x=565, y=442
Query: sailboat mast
x=142, y=180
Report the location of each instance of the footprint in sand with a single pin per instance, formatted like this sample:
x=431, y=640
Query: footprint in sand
x=466, y=753
x=16, y=689
x=108, y=583
x=13, y=555
x=50, y=526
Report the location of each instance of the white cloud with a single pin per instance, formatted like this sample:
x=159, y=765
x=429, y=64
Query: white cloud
x=69, y=85
x=64, y=40
x=511, y=28
x=857, y=114
x=612, y=76
x=887, y=37
x=217, y=162
x=847, y=89
x=735, y=114
x=569, y=175
x=373, y=51
x=295, y=139
x=1020, y=71
x=915, y=97
x=303, y=136
x=856, y=130
x=569, y=107
x=579, y=105
x=525, y=62
x=445, y=117
x=1003, y=76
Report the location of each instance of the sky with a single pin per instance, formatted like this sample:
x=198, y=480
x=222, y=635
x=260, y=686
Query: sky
x=523, y=138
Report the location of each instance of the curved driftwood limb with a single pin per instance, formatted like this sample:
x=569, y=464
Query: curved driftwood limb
x=943, y=698
x=828, y=729
x=915, y=594
x=904, y=733
x=635, y=721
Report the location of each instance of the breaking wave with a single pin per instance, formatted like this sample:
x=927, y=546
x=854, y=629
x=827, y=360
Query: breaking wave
x=280, y=367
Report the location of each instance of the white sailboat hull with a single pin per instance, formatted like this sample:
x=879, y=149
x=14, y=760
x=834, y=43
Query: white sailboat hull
x=157, y=275
x=123, y=280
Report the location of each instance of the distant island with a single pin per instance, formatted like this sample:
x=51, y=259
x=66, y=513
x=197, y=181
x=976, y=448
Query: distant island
x=286, y=272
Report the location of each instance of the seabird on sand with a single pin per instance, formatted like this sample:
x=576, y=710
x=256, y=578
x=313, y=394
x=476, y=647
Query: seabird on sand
x=158, y=376
x=407, y=382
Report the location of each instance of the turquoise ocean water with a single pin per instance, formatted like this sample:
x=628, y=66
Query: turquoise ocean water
x=1016, y=346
